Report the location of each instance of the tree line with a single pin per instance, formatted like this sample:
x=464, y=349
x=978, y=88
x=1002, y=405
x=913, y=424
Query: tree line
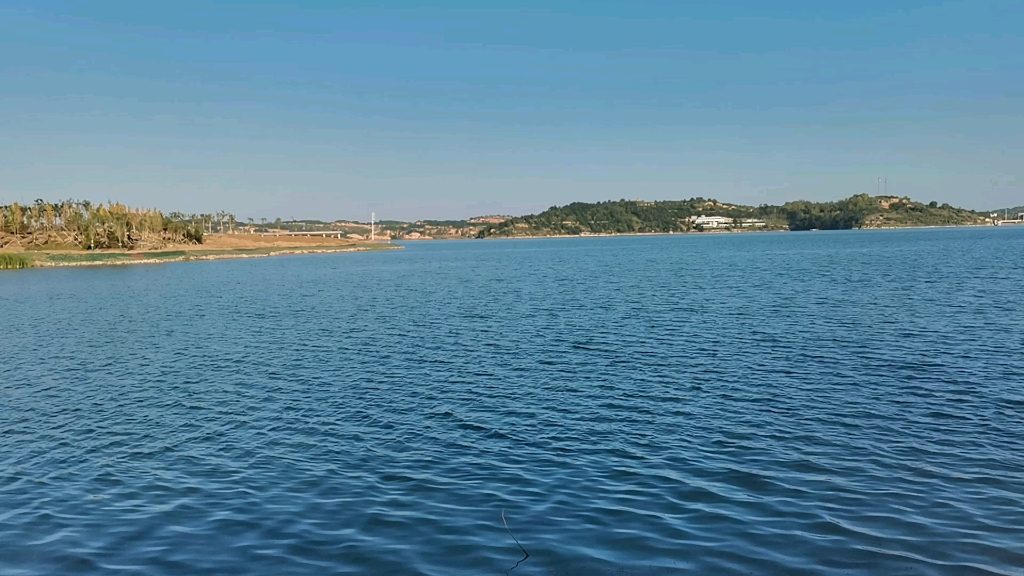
x=864, y=210
x=630, y=217
x=98, y=226
x=635, y=216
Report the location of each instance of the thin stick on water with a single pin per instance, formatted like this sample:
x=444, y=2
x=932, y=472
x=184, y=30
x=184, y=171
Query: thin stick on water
x=525, y=553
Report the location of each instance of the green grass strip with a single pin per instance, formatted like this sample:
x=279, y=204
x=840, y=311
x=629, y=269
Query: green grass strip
x=9, y=261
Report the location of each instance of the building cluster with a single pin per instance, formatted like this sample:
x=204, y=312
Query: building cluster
x=725, y=222
x=997, y=218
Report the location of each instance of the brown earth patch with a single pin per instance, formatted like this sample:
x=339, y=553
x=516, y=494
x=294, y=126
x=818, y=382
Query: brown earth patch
x=245, y=241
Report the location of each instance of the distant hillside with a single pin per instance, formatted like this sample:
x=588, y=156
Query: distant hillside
x=637, y=216
x=675, y=216
x=864, y=211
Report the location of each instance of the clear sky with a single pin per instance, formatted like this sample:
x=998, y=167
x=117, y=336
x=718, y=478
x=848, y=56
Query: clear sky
x=453, y=109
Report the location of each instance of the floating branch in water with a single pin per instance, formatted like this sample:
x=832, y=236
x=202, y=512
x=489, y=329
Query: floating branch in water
x=525, y=553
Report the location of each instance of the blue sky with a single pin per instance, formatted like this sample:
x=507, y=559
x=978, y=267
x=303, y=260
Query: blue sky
x=454, y=109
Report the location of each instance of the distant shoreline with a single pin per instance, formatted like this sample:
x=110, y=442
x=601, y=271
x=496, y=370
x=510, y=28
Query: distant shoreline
x=692, y=233
x=587, y=235
x=70, y=258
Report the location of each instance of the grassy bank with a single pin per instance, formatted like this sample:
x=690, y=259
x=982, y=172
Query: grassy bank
x=9, y=261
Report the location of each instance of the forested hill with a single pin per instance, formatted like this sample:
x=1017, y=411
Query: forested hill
x=636, y=216
x=633, y=216
x=864, y=211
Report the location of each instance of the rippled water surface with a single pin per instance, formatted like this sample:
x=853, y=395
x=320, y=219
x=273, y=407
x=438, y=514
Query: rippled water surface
x=847, y=402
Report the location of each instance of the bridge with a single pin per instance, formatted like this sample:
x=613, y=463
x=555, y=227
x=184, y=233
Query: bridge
x=322, y=233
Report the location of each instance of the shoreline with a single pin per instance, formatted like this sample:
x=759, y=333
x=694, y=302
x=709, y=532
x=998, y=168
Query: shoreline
x=68, y=258
x=589, y=235
x=694, y=233
x=64, y=259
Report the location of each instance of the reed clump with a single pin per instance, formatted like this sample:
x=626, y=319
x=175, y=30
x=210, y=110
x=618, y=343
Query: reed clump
x=10, y=261
x=82, y=224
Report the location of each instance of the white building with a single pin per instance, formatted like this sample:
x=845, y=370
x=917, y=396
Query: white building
x=723, y=222
x=711, y=221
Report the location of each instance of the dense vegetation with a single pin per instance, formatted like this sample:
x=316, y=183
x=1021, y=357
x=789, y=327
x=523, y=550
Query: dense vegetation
x=841, y=215
x=95, y=226
x=864, y=211
x=10, y=261
x=634, y=216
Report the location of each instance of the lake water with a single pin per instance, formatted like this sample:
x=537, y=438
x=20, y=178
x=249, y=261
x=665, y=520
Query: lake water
x=789, y=403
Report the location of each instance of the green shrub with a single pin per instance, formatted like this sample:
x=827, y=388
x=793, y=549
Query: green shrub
x=10, y=261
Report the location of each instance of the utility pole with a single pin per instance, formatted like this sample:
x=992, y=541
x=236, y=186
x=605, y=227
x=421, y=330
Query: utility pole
x=373, y=216
x=878, y=189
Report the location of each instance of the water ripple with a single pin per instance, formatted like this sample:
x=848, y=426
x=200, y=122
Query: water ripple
x=760, y=403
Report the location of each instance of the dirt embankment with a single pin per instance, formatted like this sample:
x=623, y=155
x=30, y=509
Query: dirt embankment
x=210, y=242
x=248, y=241
x=214, y=247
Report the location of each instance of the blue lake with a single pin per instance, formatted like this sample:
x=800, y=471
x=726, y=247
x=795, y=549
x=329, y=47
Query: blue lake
x=788, y=403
